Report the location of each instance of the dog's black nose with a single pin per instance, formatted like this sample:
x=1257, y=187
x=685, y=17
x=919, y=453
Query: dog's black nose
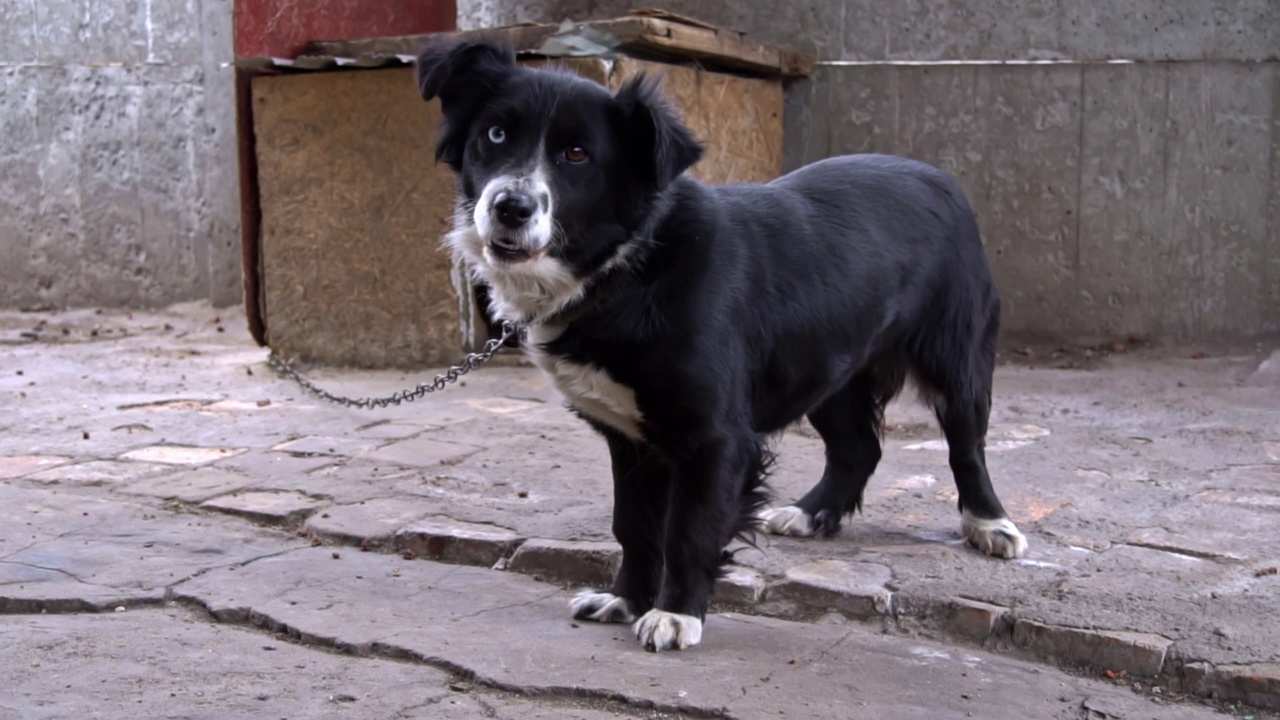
x=514, y=207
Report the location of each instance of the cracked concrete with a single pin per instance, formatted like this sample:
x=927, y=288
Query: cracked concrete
x=192, y=668
x=761, y=668
x=155, y=459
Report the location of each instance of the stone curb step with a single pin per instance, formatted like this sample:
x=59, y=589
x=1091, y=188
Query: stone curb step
x=859, y=591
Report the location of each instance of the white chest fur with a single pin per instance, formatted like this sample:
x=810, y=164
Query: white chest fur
x=587, y=388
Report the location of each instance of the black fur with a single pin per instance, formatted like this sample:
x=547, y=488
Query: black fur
x=738, y=309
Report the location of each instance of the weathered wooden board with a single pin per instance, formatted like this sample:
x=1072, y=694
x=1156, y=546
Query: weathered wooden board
x=647, y=32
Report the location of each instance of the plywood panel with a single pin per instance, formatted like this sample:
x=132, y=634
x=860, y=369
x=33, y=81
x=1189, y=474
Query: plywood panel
x=739, y=119
x=353, y=208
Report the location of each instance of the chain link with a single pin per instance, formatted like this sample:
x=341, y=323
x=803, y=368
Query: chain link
x=469, y=363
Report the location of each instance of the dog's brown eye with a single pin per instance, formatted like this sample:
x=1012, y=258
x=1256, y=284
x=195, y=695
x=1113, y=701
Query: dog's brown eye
x=575, y=154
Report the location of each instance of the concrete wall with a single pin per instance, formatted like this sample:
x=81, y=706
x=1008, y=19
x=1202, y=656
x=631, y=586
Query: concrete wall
x=955, y=29
x=1116, y=199
x=117, y=139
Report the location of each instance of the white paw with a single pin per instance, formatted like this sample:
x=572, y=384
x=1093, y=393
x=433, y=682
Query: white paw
x=661, y=630
x=993, y=537
x=789, y=520
x=601, y=607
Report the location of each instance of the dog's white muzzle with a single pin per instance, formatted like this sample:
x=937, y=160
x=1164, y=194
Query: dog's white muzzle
x=513, y=217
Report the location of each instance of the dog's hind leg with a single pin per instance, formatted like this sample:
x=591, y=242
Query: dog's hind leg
x=641, y=484
x=984, y=522
x=962, y=402
x=850, y=423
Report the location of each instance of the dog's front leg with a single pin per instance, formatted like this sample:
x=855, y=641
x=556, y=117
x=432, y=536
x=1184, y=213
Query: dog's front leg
x=641, y=482
x=703, y=506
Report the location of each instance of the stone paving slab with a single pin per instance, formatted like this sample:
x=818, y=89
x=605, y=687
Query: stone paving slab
x=99, y=472
x=279, y=508
x=369, y=523
x=332, y=446
x=20, y=465
x=190, y=486
x=66, y=552
x=181, y=454
x=975, y=620
x=451, y=541
x=740, y=588
x=32, y=515
x=267, y=466
x=1136, y=654
x=512, y=632
x=575, y=563
x=423, y=452
x=343, y=482
x=384, y=430
x=854, y=589
x=170, y=663
x=1257, y=685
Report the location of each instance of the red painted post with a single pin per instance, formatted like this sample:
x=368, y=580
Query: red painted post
x=282, y=28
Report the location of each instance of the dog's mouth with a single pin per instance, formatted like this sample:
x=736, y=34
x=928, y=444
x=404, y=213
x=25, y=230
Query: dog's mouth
x=505, y=250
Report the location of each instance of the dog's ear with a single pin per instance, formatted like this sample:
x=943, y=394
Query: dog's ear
x=449, y=69
x=461, y=73
x=661, y=141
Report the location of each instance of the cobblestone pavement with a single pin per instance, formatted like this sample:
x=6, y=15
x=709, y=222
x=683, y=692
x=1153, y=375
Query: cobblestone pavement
x=183, y=533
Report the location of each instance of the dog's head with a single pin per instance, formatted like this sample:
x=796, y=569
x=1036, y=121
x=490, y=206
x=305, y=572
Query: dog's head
x=556, y=174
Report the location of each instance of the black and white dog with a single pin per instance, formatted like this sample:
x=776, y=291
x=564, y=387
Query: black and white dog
x=687, y=323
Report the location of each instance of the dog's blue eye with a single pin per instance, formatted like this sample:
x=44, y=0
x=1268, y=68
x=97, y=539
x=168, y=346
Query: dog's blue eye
x=497, y=135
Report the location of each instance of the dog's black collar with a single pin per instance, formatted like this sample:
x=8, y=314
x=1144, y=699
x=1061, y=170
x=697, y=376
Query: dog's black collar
x=574, y=312
x=594, y=298
x=601, y=287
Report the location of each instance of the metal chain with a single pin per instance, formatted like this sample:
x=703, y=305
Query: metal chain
x=469, y=363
